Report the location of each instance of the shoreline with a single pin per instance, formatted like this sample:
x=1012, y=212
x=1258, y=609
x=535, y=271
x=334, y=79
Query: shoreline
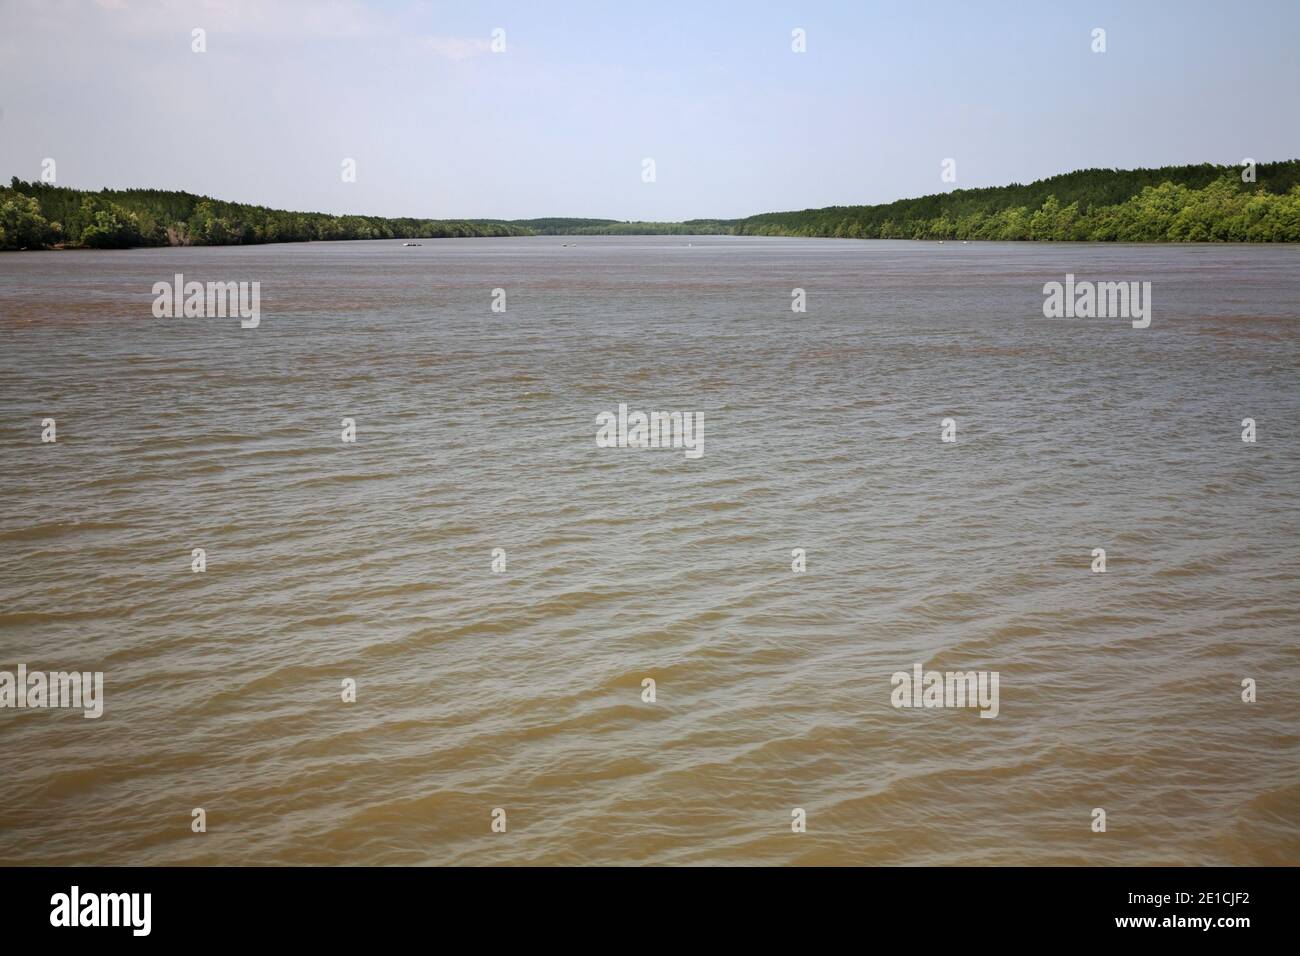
x=1259, y=203
x=1178, y=243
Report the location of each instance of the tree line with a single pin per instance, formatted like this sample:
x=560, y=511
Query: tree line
x=38, y=215
x=1201, y=203
x=613, y=227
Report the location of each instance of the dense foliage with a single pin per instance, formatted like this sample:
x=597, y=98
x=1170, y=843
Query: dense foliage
x=1172, y=204
x=33, y=215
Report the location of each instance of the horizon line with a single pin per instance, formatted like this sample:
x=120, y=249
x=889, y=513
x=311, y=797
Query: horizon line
x=734, y=219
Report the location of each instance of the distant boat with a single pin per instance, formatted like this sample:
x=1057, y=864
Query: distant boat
x=412, y=243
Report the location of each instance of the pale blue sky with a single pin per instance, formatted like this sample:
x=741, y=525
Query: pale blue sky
x=558, y=124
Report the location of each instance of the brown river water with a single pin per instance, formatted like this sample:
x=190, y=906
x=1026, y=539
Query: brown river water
x=522, y=688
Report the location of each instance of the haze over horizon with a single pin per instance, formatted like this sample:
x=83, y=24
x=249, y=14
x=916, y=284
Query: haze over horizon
x=560, y=122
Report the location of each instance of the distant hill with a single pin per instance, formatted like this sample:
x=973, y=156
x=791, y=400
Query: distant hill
x=613, y=227
x=1170, y=204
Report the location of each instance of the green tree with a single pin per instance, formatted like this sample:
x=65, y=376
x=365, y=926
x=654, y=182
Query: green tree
x=111, y=228
x=23, y=225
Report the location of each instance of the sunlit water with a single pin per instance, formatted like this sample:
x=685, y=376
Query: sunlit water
x=523, y=690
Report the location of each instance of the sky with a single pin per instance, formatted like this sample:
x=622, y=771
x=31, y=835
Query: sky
x=561, y=121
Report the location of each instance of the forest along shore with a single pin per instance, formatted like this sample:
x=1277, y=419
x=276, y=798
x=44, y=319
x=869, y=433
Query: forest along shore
x=1200, y=203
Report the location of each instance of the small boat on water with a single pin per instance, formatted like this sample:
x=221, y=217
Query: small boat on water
x=412, y=243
